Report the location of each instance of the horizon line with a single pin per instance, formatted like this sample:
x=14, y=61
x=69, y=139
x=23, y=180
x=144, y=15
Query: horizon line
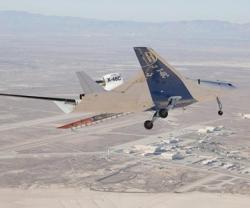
x=123, y=20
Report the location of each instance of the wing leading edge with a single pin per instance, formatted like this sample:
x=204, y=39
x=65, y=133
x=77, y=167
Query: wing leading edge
x=66, y=100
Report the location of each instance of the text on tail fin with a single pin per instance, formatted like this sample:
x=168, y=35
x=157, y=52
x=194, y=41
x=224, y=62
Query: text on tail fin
x=163, y=81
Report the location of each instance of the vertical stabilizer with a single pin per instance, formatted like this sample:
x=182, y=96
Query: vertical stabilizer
x=164, y=81
x=88, y=85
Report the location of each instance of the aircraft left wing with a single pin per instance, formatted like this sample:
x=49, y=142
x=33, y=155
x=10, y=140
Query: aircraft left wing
x=67, y=105
x=65, y=100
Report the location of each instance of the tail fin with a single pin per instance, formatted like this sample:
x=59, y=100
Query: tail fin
x=88, y=85
x=163, y=80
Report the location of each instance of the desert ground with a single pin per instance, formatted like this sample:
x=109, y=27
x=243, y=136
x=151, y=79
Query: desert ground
x=58, y=198
x=194, y=158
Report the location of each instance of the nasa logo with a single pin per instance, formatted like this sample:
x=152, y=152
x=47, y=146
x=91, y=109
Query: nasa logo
x=150, y=58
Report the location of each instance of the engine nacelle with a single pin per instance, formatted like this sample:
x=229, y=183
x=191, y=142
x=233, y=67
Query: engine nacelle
x=111, y=81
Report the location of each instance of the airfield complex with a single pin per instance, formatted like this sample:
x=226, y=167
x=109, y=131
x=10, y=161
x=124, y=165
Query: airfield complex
x=193, y=150
x=120, y=156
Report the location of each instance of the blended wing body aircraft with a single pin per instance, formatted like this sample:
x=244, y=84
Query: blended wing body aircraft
x=158, y=87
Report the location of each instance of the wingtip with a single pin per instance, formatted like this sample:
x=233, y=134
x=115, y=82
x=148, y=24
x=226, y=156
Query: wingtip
x=140, y=47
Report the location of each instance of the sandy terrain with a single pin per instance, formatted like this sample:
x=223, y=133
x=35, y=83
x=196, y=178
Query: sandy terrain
x=42, y=166
x=70, y=198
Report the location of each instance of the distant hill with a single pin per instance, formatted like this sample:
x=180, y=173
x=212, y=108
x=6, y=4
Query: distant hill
x=13, y=22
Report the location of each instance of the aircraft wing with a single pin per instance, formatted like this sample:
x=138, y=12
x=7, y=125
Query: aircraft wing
x=205, y=90
x=91, y=120
x=65, y=100
x=216, y=84
x=222, y=85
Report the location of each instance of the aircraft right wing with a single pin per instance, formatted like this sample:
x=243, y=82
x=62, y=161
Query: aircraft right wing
x=215, y=84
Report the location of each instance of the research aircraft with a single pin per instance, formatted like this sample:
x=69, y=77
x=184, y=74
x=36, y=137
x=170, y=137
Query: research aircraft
x=158, y=87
